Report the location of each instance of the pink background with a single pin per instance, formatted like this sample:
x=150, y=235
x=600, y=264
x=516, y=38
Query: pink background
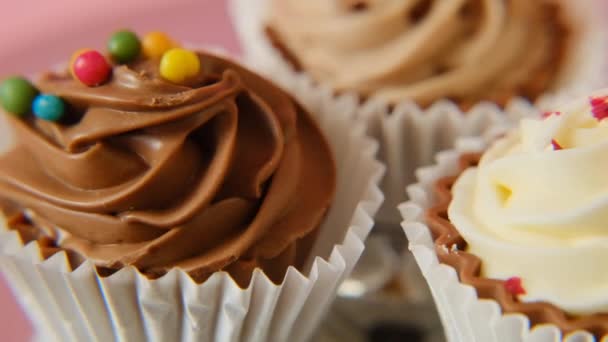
x=35, y=34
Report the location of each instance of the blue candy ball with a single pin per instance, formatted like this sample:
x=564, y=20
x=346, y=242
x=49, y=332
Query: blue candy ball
x=48, y=107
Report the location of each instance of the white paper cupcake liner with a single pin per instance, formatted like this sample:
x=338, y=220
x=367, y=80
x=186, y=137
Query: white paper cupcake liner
x=409, y=136
x=80, y=305
x=465, y=317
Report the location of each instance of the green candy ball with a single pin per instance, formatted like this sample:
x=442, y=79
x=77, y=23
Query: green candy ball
x=124, y=46
x=16, y=95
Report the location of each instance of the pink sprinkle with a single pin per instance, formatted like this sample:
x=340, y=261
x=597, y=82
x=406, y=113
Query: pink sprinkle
x=597, y=100
x=548, y=114
x=514, y=287
x=599, y=107
x=556, y=145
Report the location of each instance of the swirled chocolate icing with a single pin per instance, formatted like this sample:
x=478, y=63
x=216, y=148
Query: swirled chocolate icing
x=226, y=172
x=425, y=50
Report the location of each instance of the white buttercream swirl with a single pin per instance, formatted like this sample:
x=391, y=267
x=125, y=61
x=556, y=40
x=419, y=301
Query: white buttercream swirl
x=538, y=212
x=419, y=49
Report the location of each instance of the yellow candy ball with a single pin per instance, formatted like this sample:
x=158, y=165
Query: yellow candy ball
x=178, y=64
x=155, y=44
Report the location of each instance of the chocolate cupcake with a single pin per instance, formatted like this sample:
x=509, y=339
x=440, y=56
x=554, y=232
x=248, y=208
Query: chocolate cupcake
x=518, y=230
x=424, y=73
x=175, y=182
x=424, y=51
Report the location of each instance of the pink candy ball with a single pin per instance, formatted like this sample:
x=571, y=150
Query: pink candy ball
x=91, y=68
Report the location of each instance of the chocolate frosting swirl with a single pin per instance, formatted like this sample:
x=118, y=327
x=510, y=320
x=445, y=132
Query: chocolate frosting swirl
x=424, y=50
x=226, y=172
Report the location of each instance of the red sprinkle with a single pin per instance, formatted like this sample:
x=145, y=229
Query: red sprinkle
x=599, y=107
x=548, y=114
x=514, y=287
x=556, y=145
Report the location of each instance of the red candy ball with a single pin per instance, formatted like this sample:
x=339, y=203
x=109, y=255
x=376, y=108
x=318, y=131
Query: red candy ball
x=91, y=68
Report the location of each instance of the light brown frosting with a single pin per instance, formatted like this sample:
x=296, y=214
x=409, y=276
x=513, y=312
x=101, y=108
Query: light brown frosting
x=424, y=50
x=226, y=172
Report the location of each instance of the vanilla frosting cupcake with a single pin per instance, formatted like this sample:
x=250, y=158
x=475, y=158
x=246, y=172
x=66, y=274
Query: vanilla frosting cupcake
x=423, y=51
x=535, y=208
x=525, y=223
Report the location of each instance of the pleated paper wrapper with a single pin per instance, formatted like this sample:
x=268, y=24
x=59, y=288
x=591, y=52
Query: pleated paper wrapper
x=80, y=305
x=465, y=317
x=410, y=136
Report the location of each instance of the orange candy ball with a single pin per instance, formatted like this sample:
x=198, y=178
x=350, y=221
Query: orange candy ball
x=155, y=44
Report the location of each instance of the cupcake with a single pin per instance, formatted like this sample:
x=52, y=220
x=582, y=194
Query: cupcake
x=174, y=195
x=424, y=51
x=510, y=240
x=423, y=73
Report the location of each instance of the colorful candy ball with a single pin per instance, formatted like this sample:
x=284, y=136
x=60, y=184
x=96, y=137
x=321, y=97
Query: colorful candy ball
x=16, y=95
x=178, y=64
x=73, y=59
x=124, y=46
x=48, y=107
x=91, y=68
x=155, y=44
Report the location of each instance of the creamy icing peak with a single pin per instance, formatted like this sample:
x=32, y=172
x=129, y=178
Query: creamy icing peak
x=537, y=207
x=225, y=172
x=424, y=50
